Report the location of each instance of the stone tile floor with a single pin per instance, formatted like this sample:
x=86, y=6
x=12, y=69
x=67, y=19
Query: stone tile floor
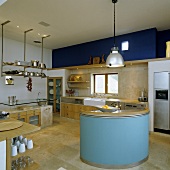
x=60, y=148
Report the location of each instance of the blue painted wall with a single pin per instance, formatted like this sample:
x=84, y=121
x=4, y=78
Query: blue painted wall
x=162, y=38
x=142, y=45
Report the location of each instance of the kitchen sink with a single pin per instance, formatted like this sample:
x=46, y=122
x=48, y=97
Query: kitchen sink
x=94, y=101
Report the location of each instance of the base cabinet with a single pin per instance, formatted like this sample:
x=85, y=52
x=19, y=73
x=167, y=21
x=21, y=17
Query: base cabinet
x=41, y=116
x=73, y=111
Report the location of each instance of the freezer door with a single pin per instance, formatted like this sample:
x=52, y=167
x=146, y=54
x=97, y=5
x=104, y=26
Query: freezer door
x=161, y=80
x=161, y=114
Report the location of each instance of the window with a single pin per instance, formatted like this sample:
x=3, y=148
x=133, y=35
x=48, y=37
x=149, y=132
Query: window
x=106, y=83
x=125, y=46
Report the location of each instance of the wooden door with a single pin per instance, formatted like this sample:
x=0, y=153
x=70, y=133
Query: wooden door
x=54, y=92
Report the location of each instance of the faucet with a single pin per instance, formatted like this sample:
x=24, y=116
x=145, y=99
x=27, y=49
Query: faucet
x=38, y=95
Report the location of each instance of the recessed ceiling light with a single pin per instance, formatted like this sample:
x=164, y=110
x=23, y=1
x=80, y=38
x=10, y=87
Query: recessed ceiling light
x=36, y=41
x=44, y=24
x=39, y=34
x=17, y=26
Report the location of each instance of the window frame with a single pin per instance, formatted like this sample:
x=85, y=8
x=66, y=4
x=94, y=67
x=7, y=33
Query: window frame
x=106, y=82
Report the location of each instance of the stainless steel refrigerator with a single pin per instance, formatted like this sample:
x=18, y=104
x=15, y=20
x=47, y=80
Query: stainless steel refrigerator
x=162, y=100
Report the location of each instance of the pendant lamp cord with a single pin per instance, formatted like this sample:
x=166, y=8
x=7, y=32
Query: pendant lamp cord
x=114, y=27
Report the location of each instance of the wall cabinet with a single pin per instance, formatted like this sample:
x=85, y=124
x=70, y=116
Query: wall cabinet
x=73, y=111
x=54, y=92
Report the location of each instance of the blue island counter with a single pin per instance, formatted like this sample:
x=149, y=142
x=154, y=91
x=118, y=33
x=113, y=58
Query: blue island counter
x=114, y=140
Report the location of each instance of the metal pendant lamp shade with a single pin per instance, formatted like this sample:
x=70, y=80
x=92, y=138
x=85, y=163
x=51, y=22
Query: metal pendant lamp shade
x=114, y=59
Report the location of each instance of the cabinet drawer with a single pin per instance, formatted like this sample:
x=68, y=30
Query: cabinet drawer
x=37, y=111
x=69, y=107
x=18, y=114
x=30, y=112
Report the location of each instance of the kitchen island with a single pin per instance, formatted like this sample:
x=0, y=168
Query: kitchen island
x=117, y=139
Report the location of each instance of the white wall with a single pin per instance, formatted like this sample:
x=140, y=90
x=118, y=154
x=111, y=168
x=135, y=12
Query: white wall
x=14, y=50
x=156, y=66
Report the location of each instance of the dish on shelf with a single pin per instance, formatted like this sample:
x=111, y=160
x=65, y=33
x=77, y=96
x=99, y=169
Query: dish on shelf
x=51, y=91
x=57, y=101
x=107, y=109
x=50, y=83
x=58, y=85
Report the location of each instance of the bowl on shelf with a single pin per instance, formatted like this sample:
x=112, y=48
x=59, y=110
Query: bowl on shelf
x=77, y=78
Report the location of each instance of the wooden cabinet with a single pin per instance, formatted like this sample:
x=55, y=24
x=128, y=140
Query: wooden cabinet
x=23, y=130
x=54, y=92
x=30, y=116
x=73, y=111
x=34, y=117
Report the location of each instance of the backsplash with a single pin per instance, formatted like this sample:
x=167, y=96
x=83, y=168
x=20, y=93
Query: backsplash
x=132, y=79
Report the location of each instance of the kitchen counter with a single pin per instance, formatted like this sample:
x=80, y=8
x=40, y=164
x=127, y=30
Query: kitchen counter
x=43, y=114
x=73, y=98
x=114, y=140
x=117, y=114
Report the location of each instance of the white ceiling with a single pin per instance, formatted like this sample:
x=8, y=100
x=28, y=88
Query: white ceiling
x=78, y=21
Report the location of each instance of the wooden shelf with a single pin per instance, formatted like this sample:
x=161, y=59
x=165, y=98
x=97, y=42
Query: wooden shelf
x=78, y=81
x=79, y=87
x=26, y=153
x=133, y=62
x=15, y=65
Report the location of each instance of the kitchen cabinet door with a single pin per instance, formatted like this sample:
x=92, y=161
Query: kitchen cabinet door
x=34, y=117
x=54, y=92
x=69, y=110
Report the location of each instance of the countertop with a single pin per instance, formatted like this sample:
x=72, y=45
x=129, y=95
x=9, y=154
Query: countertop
x=23, y=108
x=106, y=99
x=117, y=114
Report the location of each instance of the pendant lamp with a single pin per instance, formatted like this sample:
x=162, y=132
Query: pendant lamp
x=114, y=59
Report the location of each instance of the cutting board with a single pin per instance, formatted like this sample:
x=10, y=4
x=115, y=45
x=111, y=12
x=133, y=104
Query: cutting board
x=4, y=126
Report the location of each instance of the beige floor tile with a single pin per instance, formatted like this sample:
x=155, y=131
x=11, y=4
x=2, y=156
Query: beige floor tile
x=60, y=147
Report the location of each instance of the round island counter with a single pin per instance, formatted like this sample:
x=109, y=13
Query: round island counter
x=114, y=140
